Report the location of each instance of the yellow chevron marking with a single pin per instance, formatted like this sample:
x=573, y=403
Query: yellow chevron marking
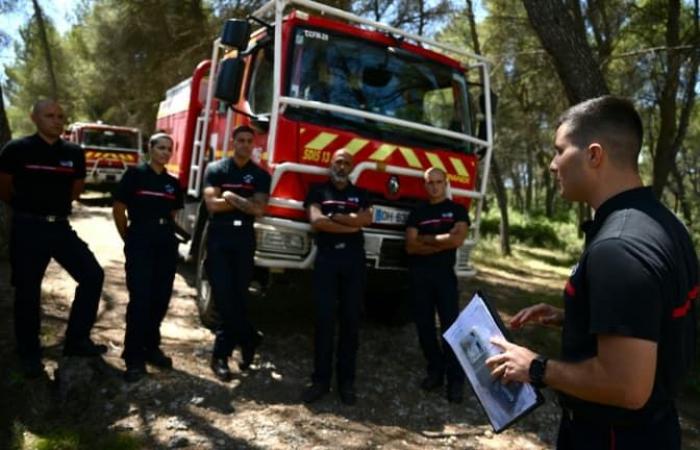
x=410, y=157
x=459, y=167
x=383, y=152
x=321, y=141
x=435, y=161
x=355, y=145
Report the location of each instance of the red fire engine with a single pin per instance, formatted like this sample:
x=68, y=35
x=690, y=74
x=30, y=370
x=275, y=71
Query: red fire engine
x=109, y=150
x=311, y=83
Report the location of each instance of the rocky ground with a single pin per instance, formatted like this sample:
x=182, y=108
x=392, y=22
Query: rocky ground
x=188, y=408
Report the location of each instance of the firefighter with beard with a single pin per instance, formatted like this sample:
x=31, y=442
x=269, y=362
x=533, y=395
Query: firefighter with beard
x=337, y=212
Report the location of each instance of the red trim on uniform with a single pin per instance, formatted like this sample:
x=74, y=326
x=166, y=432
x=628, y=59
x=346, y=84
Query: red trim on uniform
x=50, y=168
x=156, y=194
x=425, y=222
x=613, y=443
x=236, y=186
x=569, y=288
x=682, y=310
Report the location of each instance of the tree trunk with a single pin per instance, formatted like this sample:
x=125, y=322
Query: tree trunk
x=549, y=188
x=5, y=136
x=671, y=135
x=566, y=43
x=502, y=199
x=663, y=155
x=517, y=190
x=530, y=181
x=681, y=195
x=497, y=178
x=47, y=49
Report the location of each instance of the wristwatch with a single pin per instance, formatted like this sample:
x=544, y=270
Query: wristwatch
x=538, y=366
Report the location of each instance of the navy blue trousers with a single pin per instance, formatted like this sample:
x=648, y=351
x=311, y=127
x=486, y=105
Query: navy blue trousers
x=229, y=265
x=664, y=433
x=33, y=243
x=338, y=287
x=435, y=288
x=151, y=261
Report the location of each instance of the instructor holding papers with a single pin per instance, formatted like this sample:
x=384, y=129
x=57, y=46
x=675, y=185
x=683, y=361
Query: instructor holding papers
x=628, y=322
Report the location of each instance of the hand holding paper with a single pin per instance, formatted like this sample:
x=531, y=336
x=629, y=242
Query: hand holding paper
x=477, y=339
x=511, y=365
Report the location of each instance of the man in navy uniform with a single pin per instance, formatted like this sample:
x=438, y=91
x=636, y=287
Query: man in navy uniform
x=236, y=192
x=629, y=324
x=40, y=176
x=433, y=233
x=337, y=212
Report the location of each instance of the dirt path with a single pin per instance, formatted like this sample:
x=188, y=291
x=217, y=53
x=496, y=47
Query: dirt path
x=189, y=408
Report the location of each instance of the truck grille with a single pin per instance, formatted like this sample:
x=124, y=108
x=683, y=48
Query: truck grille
x=393, y=254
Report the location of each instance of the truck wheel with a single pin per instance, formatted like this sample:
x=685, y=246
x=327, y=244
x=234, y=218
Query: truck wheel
x=205, y=303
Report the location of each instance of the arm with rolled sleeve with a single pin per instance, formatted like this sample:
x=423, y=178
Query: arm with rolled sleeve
x=359, y=219
x=254, y=206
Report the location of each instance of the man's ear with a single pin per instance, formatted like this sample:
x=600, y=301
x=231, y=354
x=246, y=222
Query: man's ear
x=595, y=154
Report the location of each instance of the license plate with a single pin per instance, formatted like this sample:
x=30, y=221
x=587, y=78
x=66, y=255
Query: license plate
x=386, y=215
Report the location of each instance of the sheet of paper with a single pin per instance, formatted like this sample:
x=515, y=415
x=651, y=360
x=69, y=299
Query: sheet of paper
x=470, y=339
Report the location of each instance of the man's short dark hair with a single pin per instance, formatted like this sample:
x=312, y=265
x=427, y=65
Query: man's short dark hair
x=243, y=129
x=612, y=121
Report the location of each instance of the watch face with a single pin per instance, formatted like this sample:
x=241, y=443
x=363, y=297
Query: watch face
x=536, y=372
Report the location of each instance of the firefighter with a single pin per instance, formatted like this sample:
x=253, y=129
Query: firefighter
x=433, y=233
x=337, y=212
x=151, y=197
x=40, y=176
x=235, y=193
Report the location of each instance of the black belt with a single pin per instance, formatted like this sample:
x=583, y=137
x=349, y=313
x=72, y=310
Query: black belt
x=40, y=217
x=576, y=415
x=154, y=221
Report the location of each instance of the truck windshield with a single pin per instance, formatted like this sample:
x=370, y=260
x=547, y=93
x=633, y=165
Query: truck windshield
x=119, y=139
x=390, y=81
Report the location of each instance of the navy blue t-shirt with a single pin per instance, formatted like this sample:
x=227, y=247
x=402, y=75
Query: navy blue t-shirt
x=43, y=174
x=333, y=201
x=433, y=219
x=149, y=195
x=244, y=181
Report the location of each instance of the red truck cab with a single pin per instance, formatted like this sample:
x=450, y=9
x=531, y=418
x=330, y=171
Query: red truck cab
x=311, y=84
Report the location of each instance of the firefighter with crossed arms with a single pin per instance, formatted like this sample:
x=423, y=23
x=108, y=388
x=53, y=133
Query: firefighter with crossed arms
x=236, y=193
x=433, y=233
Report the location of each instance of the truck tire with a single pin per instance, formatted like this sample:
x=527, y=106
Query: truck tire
x=205, y=303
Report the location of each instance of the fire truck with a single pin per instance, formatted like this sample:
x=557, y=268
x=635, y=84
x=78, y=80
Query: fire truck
x=311, y=79
x=109, y=150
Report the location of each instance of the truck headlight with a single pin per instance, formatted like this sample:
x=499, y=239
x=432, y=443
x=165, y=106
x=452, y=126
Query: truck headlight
x=281, y=241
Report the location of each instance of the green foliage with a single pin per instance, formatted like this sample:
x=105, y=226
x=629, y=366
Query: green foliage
x=74, y=439
x=537, y=231
x=116, y=64
x=28, y=79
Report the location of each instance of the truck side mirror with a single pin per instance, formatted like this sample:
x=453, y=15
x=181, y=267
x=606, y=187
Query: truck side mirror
x=229, y=80
x=236, y=33
x=261, y=124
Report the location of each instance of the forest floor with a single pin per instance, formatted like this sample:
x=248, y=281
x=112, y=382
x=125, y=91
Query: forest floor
x=188, y=408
